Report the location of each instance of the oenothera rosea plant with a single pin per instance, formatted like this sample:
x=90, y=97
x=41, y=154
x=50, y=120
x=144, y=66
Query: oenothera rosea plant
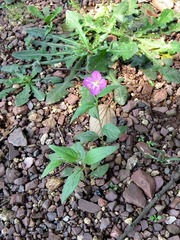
x=80, y=163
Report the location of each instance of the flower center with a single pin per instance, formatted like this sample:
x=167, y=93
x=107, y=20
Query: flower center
x=96, y=83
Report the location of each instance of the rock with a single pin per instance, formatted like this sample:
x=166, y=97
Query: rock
x=102, y=202
x=144, y=149
x=175, y=202
x=174, y=238
x=60, y=211
x=173, y=229
x=115, y=232
x=51, y=216
x=159, y=96
x=87, y=236
x=72, y=99
x=145, y=182
x=144, y=225
x=11, y=175
x=133, y=194
x=53, y=236
x=54, y=183
x=20, y=181
x=18, y=198
x=31, y=185
x=2, y=170
x=12, y=152
x=105, y=222
x=17, y=138
x=141, y=128
x=123, y=174
x=112, y=205
x=157, y=227
x=111, y=196
x=171, y=112
x=160, y=109
x=163, y=4
x=35, y=117
x=131, y=162
x=50, y=122
x=43, y=138
x=159, y=182
x=61, y=119
x=88, y=206
x=170, y=219
x=164, y=131
x=22, y=110
x=129, y=106
x=28, y=162
x=178, y=92
x=156, y=136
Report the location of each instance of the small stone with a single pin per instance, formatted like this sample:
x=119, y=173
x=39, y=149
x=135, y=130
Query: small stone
x=12, y=152
x=88, y=206
x=43, y=138
x=131, y=162
x=144, y=225
x=157, y=136
x=144, y=148
x=112, y=205
x=159, y=96
x=128, y=221
x=174, y=238
x=31, y=185
x=115, y=232
x=160, y=109
x=123, y=174
x=17, y=199
x=134, y=195
x=22, y=110
x=11, y=175
x=111, y=196
x=87, y=221
x=159, y=182
x=61, y=119
x=129, y=106
x=105, y=222
x=163, y=4
x=53, y=236
x=60, y=211
x=170, y=219
x=51, y=216
x=35, y=117
x=28, y=162
x=102, y=202
x=171, y=112
x=157, y=227
x=72, y=99
x=50, y=122
x=173, y=229
x=17, y=138
x=46, y=204
x=178, y=92
x=141, y=128
x=164, y=131
x=54, y=183
x=145, y=182
x=175, y=202
x=2, y=170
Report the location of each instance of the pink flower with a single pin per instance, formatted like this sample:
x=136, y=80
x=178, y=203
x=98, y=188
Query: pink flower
x=95, y=83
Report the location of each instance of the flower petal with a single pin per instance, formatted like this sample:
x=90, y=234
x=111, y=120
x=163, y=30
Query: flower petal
x=103, y=83
x=95, y=91
x=88, y=82
x=96, y=75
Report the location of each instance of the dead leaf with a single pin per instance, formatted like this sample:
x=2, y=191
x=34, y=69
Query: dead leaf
x=107, y=115
x=163, y=4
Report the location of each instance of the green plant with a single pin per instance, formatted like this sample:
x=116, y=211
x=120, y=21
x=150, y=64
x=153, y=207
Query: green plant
x=78, y=160
x=45, y=15
x=162, y=156
x=155, y=218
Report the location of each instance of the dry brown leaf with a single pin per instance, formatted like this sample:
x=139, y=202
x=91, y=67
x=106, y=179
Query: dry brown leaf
x=163, y=4
x=107, y=115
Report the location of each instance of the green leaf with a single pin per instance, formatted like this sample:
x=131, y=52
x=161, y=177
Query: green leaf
x=72, y=20
x=150, y=71
x=67, y=172
x=37, y=93
x=23, y=96
x=82, y=109
x=35, y=12
x=58, y=92
x=107, y=90
x=52, y=16
x=170, y=74
x=98, y=61
x=121, y=95
x=165, y=17
x=93, y=112
x=78, y=148
x=97, y=154
x=88, y=136
x=66, y=153
x=5, y=92
x=86, y=95
x=111, y=132
x=55, y=162
x=71, y=183
x=100, y=171
x=11, y=68
x=123, y=129
x=124, y=50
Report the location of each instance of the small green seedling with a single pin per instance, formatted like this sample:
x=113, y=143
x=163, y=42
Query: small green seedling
x=45, y=15
x=155, y=218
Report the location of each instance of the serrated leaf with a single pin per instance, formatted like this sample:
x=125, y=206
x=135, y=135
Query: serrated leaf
x=66, y=172
x=80, y=110
x=170, y=74
x=11, y=68
x=23, y=96
x=100, y=171
x=66, y=153
x=111, y=132
x=97, y=154
x=98, y=61
x=106, y=115
x=36, y=12
x=165, y=17
x=37, y=93
x=55, y=162
x=70, y=184
x=4, y=93
x=150, y=71
x=58, y=92
x=88, y=136
x=52, y=16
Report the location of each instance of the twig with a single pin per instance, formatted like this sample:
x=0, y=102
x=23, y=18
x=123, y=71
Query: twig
x=158, y=196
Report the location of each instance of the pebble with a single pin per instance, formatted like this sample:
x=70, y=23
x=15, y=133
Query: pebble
x=159, y=96
x=22, y=110
x=129, y=106
x=131, y=162
x=11, y=175
x=111, y=196
x=31, y=185
x=54, y=183
x=160, y=109
x=51, y=216
x=145, y=182
x=141, y=128
x=173, y=229
x=105, y=222
x=87, y=221
x=159, y=182
x=18, y=198
x=170, y=219
x=35, y=117
x=28, y=161
x=115, y=232
x=171, y=112
x=17, y=138
x=72, y=99
x=164, y=131
x=49, y=122
x=123, y=174
x=87, y=206
x=157, y=136
x=2, y=169
x=144, y=148
x=133, y=194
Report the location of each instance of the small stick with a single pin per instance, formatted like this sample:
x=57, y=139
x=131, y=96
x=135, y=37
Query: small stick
x=158, y=196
